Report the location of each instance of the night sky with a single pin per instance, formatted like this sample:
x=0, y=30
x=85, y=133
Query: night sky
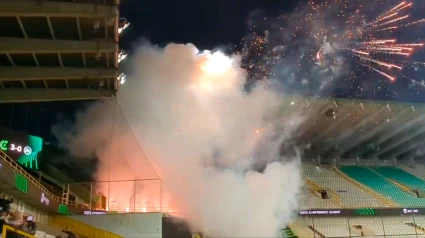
x=222, y=24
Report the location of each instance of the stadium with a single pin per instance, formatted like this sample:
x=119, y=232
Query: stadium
x=362, y=161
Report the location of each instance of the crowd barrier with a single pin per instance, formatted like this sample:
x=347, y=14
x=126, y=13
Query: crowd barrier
x=7, y=229
x=80, y=228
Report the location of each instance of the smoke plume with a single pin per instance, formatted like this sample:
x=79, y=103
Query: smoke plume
x=218, y=150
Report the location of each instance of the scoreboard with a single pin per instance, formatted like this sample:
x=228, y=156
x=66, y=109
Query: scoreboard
x=21, y=147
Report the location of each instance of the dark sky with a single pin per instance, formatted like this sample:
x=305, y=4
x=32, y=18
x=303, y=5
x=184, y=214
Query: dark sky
x=208, y=25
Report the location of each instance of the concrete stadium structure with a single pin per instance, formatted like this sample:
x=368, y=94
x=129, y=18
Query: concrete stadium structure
x=58, y=50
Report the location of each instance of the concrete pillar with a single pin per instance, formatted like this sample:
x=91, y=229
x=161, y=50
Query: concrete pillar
x=318, y=161
x=376, y=161
x=394, y=161
x=358, y=161
x=46, y=73
x=32, y=8
x=338, y=161
x=412, y=161
x=21, y=45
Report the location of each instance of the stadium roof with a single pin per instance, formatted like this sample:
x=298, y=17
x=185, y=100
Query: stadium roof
x=367, y=130
x=58, y=49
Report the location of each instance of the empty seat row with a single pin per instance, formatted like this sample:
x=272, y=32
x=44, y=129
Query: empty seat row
x=350, y=195
x=378, y=183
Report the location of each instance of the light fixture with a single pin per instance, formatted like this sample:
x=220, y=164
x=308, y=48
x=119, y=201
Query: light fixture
x=121, y=56
x=122, y=78
x=125, y=26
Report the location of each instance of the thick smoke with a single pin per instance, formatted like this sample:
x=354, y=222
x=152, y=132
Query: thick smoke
x=218, y=150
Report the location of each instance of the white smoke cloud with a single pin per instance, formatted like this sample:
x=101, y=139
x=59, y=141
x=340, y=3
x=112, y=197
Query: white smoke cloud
x=203, y=135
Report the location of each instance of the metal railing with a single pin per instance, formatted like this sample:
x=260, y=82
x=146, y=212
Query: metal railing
x=7, y=228
x=15, y=166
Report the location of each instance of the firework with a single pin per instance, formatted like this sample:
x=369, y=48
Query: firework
x=383, y=46
x=322, y=40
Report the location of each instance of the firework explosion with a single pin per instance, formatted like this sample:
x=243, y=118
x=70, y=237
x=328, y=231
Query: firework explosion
x=326, y=42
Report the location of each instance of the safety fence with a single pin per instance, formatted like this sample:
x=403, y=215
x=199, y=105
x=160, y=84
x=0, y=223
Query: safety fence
x=144, y=195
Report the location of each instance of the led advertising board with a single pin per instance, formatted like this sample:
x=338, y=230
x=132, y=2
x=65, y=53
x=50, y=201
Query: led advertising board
x=21, y=147
x=364, y=212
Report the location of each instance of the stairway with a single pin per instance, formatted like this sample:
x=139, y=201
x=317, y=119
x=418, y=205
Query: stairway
x=374, y=194
x=418, y=228
x=318, y=233
x=287, y=233
x=334, y=198
x=299, y=231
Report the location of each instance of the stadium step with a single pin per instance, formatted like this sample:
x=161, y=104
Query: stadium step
x=334, y=198
x=318, y=233
x=299, y=231
x=287, y=233
x=374, y=194
x=418, y=228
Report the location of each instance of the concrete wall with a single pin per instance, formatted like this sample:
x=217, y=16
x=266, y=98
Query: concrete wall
x=143, y=225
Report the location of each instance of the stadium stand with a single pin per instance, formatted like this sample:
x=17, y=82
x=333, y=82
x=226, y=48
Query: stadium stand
x=350, y=196
x=401, y=176
x=378, y=183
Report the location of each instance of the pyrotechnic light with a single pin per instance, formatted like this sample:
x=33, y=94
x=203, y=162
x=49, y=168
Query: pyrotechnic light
x=330, y=38
x=216, y=63
x=382, y=46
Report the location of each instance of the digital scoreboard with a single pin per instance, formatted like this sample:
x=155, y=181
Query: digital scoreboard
x=21, y=147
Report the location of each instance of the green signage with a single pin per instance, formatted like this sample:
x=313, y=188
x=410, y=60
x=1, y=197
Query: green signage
x=4, y=144
x=365, y=211
x=24, y=151
x=21, y=182
x=63, y=209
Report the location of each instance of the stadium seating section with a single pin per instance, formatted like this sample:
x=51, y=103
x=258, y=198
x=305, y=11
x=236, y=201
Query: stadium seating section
x=378, y=180
x=360, y=187
x=362, y=227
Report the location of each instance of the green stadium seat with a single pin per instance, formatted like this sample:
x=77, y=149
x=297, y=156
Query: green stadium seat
x=381, y=185
x=402, y=176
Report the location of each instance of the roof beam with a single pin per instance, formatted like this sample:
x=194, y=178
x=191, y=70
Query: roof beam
x=40, y=95
x=371, y=130
x=31, y=8
x=20, y=46
x=404, y=149
x=401, y=140
x=37, y=73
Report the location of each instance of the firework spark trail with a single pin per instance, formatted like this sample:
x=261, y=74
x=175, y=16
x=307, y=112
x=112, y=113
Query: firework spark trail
x=415, y=82
x=388, y=28
x=395, y=8
x=377, y=42
x=325, y=35
x=391, y=21
x=374, y=45
x=381, y=63
x=379, y=72
x=415, y=22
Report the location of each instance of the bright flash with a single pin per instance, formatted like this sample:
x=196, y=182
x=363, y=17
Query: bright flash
x=216, y=63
